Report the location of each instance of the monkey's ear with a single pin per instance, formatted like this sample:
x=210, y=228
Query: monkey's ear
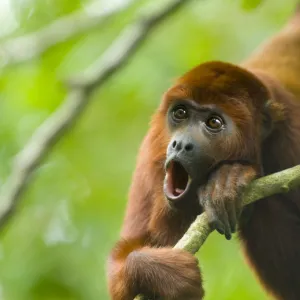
x=272, y=112
x=275, y=110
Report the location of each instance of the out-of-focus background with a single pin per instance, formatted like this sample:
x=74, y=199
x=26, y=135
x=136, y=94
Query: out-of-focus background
x=56, y=244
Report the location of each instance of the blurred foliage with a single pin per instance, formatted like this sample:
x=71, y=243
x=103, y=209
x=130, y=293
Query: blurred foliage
x=250, y=4
x=56, y=245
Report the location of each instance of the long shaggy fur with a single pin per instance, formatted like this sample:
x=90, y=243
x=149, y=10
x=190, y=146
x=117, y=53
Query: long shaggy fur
x=266, y=86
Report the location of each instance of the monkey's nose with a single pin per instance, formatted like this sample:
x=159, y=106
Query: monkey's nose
x=179, y=145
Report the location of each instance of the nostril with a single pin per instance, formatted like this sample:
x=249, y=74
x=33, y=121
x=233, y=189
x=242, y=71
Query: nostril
x=174, y=144
x=189, y=147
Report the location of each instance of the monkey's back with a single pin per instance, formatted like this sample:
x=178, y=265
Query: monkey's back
x=280, y=56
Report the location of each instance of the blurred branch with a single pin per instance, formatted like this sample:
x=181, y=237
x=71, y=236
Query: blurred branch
x=198, y=232
x=26, y=47
x=49, y=133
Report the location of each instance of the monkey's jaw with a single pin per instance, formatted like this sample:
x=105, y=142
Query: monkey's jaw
x=177, y=181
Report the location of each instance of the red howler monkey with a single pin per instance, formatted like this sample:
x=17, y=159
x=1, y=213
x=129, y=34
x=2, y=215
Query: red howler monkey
x=219, y=127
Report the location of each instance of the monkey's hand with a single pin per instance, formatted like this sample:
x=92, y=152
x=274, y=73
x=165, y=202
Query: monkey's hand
x=164, y=273
x=221, y=196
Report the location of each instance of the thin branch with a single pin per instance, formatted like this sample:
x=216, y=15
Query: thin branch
x=49, y=133
x=198, y=232
x=31, y=45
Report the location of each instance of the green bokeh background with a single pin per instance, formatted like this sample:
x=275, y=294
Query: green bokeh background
x=57, y=242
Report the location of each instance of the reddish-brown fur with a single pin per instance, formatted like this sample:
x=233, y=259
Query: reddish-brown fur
x=269, y=82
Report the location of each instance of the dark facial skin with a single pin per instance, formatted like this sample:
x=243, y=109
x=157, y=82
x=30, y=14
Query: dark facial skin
x=195, y=169
x=190, y=151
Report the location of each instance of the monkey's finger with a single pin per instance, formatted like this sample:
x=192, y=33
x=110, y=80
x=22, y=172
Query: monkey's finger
x=227, y=226
x=220, y=218
x=232, y=215
x=219, y=205
x=244, y=179
x=238, y=206
x=204, y=198
x=213, y=220
x=211, y=200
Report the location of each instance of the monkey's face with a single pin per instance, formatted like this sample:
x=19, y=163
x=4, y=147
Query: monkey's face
x=201, y=137
x=214, y=115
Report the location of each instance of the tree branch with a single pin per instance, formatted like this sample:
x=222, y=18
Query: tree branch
x=31, y=45
x=280, y=182
x=49, y=133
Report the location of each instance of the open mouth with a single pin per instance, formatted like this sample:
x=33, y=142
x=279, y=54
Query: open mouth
x=177, y=180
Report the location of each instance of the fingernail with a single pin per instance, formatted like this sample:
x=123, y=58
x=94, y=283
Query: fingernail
x=228, y=236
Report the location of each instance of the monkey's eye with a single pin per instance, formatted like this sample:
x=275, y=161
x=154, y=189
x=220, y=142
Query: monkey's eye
x=180, y=113
x=214, y=123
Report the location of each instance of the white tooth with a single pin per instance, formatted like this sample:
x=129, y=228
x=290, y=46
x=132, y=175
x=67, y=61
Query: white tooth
x=179, y=191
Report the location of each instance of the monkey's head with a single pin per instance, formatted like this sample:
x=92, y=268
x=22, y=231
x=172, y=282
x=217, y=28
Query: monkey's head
x=215, y=113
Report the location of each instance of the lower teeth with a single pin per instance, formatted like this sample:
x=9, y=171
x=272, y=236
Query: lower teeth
x=179, y=191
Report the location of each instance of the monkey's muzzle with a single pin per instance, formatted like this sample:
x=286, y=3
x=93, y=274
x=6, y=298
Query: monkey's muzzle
x=177, y=180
